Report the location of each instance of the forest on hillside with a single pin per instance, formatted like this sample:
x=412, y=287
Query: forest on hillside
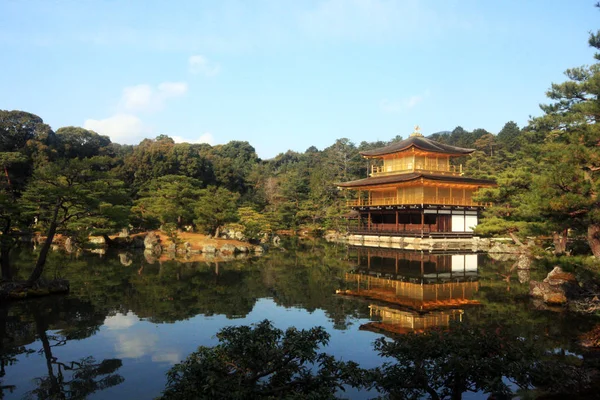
x=162, y=182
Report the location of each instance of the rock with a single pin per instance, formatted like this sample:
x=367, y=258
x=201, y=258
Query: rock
x=502, y=248
x=258, y=249
x=151, y=240
x=172, y=248
x=98, y=251
x=241, y=249
x=124, y=233
x=149, y=256
x=69, y=245
x=208, y=249
x=523, y=275
x=96, y=240
x=265, y=238
x=276, y=241
x=559, y=277
x=552, y=295
x=187, y=247
x=239, y=235
x=556, y=289
x=125, y=259
x=524, y=262
x=227, y=249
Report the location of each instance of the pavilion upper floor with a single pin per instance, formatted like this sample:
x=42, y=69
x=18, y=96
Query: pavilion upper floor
x=415, y=154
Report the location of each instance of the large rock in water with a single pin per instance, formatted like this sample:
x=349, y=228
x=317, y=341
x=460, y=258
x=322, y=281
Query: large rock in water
x=556, y=288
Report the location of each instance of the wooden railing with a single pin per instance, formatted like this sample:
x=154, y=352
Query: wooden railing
x=443, y=201
x=405, y=168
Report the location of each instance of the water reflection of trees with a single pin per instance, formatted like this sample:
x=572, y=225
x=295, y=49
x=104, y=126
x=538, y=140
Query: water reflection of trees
x=54, y=321
x=306, y=276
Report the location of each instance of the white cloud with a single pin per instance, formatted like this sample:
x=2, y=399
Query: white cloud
x=146, y=98
x=204, y=138
x=121, y=128
x=135, y=344
x=396, y=106
x=167, y=357
x=121, y=321
x=199, y=64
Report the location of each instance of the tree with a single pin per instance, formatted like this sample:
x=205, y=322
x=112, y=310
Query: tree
x=9, y=209
x=232, y=163
x=215, y=207
x=169, y=199
x=569, y=160
x=20, y=130
x=509, y=137
x=70, y=196
x=261, y=362
x=444, y=364
x=75, y=142
x=254, y=223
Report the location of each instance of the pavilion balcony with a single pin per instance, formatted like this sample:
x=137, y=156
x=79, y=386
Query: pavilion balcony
x=433, y=200
x=384, y=170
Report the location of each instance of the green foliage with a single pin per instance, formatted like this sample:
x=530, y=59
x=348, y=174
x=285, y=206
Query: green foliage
x=74, y=142
x=77, y=195
x=261, y=362
x=168, y=199
x=444, y=364
x=509, y=137
x=254, y=223
x=215, y=207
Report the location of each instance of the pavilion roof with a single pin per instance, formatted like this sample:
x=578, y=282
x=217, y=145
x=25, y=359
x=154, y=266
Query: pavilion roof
x=419, y=142
x=400, y=178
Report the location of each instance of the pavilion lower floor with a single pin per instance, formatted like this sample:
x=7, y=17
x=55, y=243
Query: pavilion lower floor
x=415, y=221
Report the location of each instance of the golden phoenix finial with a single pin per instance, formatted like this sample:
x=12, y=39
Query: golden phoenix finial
x=417, y=131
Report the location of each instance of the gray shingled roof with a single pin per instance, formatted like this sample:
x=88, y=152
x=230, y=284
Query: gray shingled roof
x=419, y=142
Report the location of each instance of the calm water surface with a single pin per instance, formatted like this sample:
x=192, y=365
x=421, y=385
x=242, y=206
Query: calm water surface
x=128, y=318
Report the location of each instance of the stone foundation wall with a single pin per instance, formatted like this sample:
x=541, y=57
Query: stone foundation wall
x=411, y=243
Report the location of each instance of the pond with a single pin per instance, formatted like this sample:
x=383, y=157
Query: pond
x=129, y=319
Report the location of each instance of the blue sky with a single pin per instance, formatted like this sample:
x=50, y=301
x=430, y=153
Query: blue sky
x=286, y=74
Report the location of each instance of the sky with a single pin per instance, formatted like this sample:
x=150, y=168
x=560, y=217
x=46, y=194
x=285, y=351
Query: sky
x=287, y=74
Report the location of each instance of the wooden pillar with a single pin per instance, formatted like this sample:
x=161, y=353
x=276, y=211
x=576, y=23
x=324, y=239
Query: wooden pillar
x=396, y=263
x=437, y=197
x=369, y=221
x=368, y=259
x=450, y=196
x=464, y=199
x=422, y=221
x=396, y=226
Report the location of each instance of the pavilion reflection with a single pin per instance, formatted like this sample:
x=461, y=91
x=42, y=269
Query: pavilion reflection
x=413, y=291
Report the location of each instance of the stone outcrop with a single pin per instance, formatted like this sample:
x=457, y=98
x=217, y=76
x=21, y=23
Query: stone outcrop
x=97, y=240
x=556, y=289
x=209, y=249
x=151, y=241
x=227, y=249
